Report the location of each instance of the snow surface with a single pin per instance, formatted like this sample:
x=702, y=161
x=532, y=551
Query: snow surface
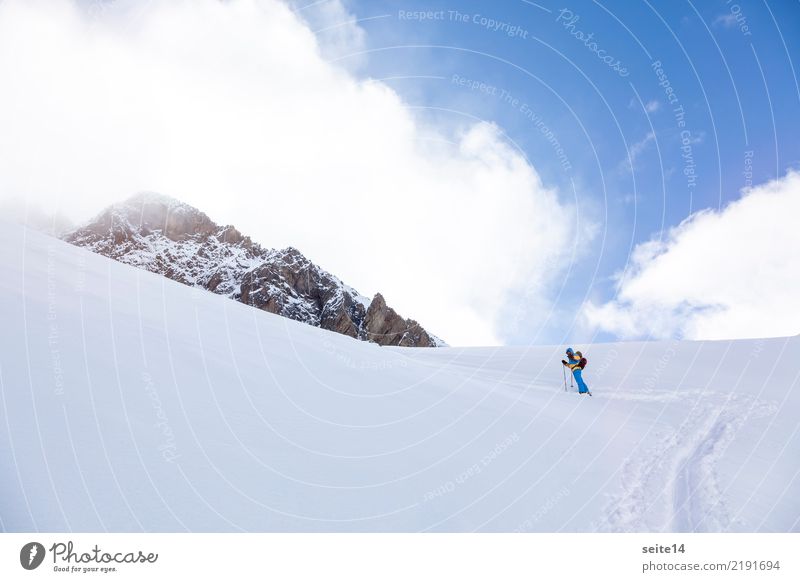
x=130, y=402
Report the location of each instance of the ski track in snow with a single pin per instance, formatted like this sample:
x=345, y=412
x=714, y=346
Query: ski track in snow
x=673, y=485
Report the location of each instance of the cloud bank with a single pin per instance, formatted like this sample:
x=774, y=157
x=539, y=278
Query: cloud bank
x=236, y=108
x=718, y=275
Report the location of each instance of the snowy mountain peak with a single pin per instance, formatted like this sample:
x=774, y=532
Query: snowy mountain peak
x=152, y=212
x=166, y=236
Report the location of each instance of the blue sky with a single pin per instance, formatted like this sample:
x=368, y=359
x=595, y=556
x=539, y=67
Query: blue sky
x=732, y=78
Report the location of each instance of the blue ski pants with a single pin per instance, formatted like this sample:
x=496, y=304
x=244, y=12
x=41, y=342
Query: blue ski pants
x=582, y=387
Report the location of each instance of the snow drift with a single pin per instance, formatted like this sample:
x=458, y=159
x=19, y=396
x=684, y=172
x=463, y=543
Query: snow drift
x=129, y=402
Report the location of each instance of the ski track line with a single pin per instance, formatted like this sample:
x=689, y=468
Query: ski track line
x=698, y=503
x=646, y=478
x=680, y=469
x=695, y=481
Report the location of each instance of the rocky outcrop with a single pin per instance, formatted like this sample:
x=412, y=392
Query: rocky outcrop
x=384, y=326
x=165, y=236
x=168, y=237
x=288, y=284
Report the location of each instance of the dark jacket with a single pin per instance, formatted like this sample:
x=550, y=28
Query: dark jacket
x=577, y=365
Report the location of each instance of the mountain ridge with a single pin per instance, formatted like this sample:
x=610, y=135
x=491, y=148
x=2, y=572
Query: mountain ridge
x=164, y=235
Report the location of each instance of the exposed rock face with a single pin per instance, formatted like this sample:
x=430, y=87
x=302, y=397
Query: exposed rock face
x=165, y=236
x=384, y=326
x=288, y=284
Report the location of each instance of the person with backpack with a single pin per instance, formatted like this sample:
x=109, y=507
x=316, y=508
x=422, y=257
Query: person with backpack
x=576, y=363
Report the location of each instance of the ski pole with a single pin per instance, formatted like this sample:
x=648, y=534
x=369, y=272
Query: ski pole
x=565, y=377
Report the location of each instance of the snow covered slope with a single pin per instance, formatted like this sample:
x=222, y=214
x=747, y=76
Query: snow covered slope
x=131, y=402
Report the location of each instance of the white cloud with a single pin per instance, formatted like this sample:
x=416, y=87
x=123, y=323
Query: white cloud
x=635, y=151
x=652, y=106
x=233, y=107
x=336, y=29
x=725, y=20
x=640, y=146
x=719, y=275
